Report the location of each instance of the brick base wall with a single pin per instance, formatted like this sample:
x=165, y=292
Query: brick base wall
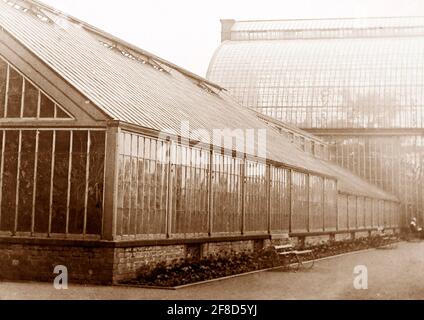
x=100, y=265
x=128, y=260
x=37, y=263
x=108, y=262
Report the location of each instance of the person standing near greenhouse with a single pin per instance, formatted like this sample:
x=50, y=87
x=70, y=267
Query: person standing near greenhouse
x=414, y=228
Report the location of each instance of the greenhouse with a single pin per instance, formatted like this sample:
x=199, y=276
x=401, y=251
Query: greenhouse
x=98, y=173
x=356, y=83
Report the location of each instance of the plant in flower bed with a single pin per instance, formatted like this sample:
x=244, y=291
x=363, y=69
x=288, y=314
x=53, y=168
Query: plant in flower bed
x=191, y=270
x=339, y=247
x=334, y=248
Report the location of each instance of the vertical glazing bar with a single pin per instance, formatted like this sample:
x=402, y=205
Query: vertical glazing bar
x=87, y=180
x=104, y=184
x=323, y=204
x=347, y=212
x=290, y=192
x=34, y=189
x=194, y=187
x=15, y=229
x=188, y=186
x=130, y=183
x=357, y=213
x=2, y=169
x=243, y=194
x=308, y=202
x=336, y=204
x=143, y=179
x=268, y=196
x=7, y=92
x=153, y=195
x=169, y=199
x=210, y=187
x=68, y=194
x=137, y=184
x=51, y=182
x=121, y=156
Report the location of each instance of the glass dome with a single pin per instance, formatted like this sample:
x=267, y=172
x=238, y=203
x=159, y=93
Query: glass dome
x=327, y=83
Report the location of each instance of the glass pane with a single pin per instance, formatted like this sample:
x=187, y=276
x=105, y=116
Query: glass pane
x=60, y=181
x=30, y=100
x=8, y=204
x=255, y=197
x=60, y=113
x=330, y=205
x=26, y=180
x=190, y=215
x=95, y=186
x=226, y=186
x=14, y=94
x=300, y=202
x=46, y=107
x=316, y=204
x=44, y=163
x=120, y=201
x=280, y=200
x=141, y=186
x=78, y=182
x=126, y=187
x=342, y=213
x=352, y=213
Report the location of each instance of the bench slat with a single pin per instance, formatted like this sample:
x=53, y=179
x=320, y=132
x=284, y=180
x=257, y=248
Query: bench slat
x=285, y=246
x=303, y=252
x=286, y=253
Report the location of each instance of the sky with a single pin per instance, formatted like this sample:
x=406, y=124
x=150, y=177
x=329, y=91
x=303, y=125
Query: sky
x=187, y=32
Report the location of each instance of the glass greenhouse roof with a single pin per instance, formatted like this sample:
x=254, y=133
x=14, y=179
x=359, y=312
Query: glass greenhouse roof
x=322, y=28
x=134, y=87
x=327, y=83
x=338, y=23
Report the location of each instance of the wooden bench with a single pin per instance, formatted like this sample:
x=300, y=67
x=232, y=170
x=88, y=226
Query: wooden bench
x=286, y=252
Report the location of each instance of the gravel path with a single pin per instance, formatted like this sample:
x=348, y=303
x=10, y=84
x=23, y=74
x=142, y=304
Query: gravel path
x=392, y=274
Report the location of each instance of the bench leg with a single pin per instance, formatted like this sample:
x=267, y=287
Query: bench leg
x=287, y=260
x=309, y=263
x=299, y=262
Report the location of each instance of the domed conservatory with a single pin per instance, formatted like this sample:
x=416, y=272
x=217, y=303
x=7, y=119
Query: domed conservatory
x=356, y=83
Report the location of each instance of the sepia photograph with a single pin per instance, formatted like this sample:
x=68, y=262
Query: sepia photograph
x=223, y=151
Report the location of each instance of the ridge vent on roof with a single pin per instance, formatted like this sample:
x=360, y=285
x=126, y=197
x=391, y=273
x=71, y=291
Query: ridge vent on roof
x=130, y=54
x=160, y=63
x=26, y=7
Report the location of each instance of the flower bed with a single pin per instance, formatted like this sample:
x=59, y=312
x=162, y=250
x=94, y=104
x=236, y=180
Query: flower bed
x=191, y=270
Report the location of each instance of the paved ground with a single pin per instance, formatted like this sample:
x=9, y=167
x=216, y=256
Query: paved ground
x=392, y=274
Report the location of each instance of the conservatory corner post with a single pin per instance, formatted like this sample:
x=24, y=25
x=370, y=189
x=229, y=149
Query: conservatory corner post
x=111, y=184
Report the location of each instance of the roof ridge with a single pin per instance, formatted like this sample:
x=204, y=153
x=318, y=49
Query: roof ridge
x=112, y=38
x=329, y=19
